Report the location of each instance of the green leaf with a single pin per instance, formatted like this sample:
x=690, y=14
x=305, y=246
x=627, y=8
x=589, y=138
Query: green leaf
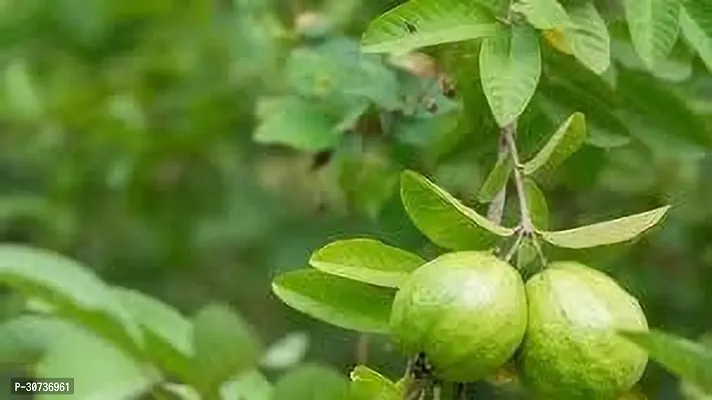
x=251, y=385
x=605, y=233
x=167, y=333
x=536, y=200
x=24, y=340
x=367, y=384
x=422, y=23
x=225, y=345
x=543, y=14
x=510, y=66
x=73, y=290
x=692, y=361
x=311, y=382
x=298, y=123
x=588, y=36
x=567, y=139
x=443, y=219
x=654, y=27
x=338, y=301
x=100, y=370
x=287, y=352
x=366, y=260
x=496, y=180
x=696, y=24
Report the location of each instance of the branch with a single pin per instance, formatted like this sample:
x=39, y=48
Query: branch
x=496, y=208
x=526, y=219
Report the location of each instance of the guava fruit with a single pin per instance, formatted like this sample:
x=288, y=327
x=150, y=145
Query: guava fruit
x=466, y=311
x=571, y=349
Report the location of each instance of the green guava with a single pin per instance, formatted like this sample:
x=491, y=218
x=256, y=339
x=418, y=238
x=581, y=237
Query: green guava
x=571, y=349
x=465, y=311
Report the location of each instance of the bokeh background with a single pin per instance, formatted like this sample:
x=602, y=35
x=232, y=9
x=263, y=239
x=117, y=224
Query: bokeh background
x=194, y=149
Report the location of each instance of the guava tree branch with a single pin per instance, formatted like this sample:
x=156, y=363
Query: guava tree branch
x=526, y=226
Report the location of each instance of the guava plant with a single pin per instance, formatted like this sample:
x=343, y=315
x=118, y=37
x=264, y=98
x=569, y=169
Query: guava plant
x=494, y=299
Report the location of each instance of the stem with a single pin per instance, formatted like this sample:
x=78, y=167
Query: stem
x=515, y=246
x=362, y=349
x=496, y=208
x=526, y=219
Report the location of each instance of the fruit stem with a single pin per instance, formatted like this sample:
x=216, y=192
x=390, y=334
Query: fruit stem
x=526, y=220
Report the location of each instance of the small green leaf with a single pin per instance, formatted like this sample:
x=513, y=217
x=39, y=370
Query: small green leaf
x=496, y=180
x=510, y=66
x=366, y=260
x=692, y=361
x=588, y=35
x=567, y=139
x=100, y=370
x=225, y=345
x=251, y=385
x=543, y=14
x=367, y=384
x=287, y=352
x=74, y=292
x=311, y=382
x=693, y=21
x=605, y=233
x=526, y=255
x=536, y=200
x=445, y=220
x=296, y=122
x=338, y=301
x=423, y=23
x=654, y=27
x=166, y=331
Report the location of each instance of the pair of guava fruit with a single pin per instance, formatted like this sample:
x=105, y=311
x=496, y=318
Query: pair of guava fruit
x=470, y=312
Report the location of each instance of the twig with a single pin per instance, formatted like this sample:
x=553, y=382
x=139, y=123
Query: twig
x=362, y=349
x=515, y=246
x=526, y=220
x=496, y=208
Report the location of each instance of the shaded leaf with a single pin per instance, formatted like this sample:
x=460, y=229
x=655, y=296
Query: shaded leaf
x=225, y=345
x=538, y=207
x=691, y=361
x=422, y=23
x=567, y=139
x=696, y=25
x=286, y=352
x=609, y=232
x=366, y=260
x=654, y=27
x=588, y=36
x=444, y=219
x=367, y=384
x=543, y=14
x=510, y=66
x=311, y=382
x=24, y=340
x=496, y=180
x=338, y=301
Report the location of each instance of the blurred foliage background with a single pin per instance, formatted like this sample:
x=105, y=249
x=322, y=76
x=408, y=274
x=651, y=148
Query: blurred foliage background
x=193, y=149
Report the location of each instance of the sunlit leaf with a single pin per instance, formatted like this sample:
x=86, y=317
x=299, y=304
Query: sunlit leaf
x=286, y=352
x=338, y=301
x=588, y=36
x=496, y=180
x=567, y=139
x=225, y=345
x=422, y=23
x=536, y=201
x=251, y=385
x=691, y=361
x=311, y=382
x=510, y=66
x=696, y=24
x=444, y=219
x=367, y=384
x=605, y=233
x=543, y=14
x=366, y=260
x=654, y=27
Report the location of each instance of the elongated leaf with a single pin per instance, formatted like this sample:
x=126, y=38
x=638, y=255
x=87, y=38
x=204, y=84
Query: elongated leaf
x=609, y=232
x=311, y=382
x=366, y=260
x=543, y=14
x=166, y=331
x=588, y=36
x=422, y=23
x=73, y=291
x=654, y=27
x=510, y=66
x=367, y=384
x=692, y=361
x=696, y=24
x=443, y=219
x=496, y=180
x=565, y=141
x=536, y=200
x=338, y=301
x=225, y=345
